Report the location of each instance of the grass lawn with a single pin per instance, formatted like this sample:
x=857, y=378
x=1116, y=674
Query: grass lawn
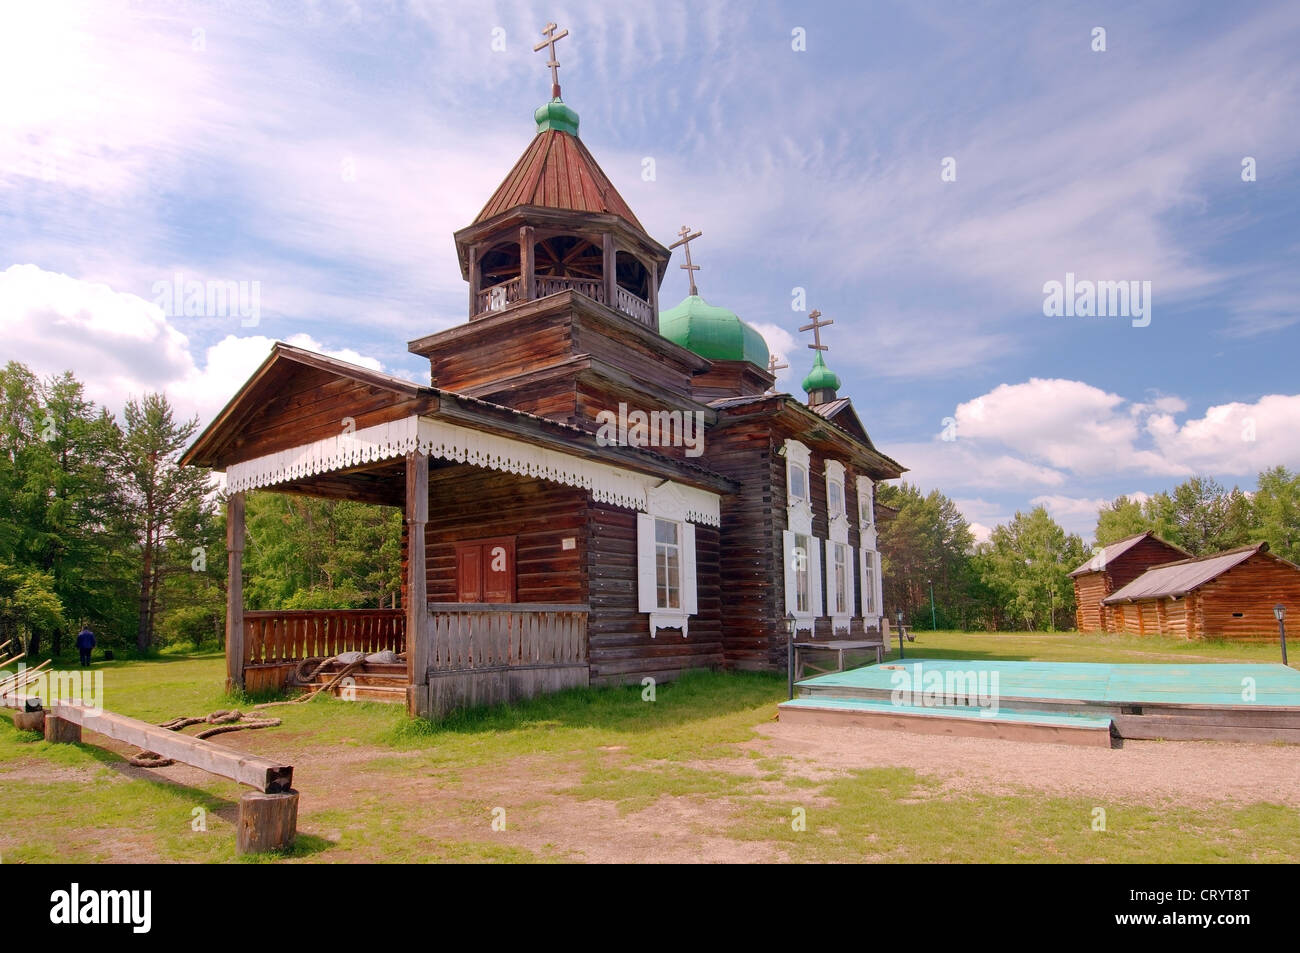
x=606, y=775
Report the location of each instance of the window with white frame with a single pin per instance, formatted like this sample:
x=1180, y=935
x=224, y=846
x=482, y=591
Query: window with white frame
x=798, y=459
x=835, y=511
x=868, y=585
x=803, y=577
x=839, y=570
x=668, y=564
x=666, y=579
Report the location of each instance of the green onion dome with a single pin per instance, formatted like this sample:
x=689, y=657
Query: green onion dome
x=820, y=377
x=556, y=115
x=712, y=332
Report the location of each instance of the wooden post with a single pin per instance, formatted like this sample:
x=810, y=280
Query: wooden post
x=526, y=266
x=417, y=582
x=235, y=592
x=473, y=280
x=61, y=731
x=654, y=295
x=30, y=720
x=266, y=822
x=611, y=271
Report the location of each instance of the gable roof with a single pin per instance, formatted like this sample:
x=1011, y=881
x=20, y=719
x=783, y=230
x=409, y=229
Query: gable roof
x=1180, y=578
x=840, y=410
x=557, y=171
x=1110, y=553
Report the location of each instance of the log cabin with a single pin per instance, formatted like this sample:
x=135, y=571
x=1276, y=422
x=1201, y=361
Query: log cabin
x=594, y=491
x=1112, y=568
x=1228, y=595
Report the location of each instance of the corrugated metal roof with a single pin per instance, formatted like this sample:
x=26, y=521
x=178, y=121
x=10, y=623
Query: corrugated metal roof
x=1102, y=559
x=1176, y=579
x=556, y=171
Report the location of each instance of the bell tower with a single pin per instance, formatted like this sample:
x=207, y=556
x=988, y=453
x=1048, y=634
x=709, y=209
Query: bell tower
x=556, y=223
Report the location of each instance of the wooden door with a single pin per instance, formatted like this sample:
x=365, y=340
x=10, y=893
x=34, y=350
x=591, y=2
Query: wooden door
x=485, y=570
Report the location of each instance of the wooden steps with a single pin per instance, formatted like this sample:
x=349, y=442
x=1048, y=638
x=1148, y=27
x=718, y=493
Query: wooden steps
x=374, y=681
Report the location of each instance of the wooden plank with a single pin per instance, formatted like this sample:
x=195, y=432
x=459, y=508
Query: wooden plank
x=257, y=772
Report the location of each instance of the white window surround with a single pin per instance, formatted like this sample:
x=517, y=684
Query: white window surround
x=813, y=556
x=607, y=483
x=837, y=521
x=869, y=564
x=666, y=502
x=839, y=620
x=798, y=509
x=867, y=495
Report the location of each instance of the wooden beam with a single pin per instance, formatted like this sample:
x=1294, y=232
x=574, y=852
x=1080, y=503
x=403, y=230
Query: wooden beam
x=417, y=579
x=611, y=269
x=257, y=772
x=527, y=267
x=654, y=295
x=473, y=280
x=235, y=591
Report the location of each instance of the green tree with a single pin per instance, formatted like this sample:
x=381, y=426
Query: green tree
x=1026, y=564
x=157, y=488
x=1276, y=512
x=926, y=543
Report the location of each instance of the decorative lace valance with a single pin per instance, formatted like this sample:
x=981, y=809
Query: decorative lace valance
x=607, y=483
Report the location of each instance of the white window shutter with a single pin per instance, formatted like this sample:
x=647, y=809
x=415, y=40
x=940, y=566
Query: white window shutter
x=689, y=598
x=787, y=549
x=815, y=576
x=863, y=556
x=647, y=599
x=848, y=579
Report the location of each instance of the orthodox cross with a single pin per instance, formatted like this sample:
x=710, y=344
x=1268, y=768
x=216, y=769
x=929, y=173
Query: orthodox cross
x=554, y=64
x=815, y=327
x=685, y=240
x=773, y=366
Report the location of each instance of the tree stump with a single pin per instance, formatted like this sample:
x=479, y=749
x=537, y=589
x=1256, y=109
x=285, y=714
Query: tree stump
x=61, y=730
x=30, y=720
x=266, y=822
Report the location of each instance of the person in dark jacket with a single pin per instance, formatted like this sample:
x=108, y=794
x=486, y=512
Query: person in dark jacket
x=85, y=642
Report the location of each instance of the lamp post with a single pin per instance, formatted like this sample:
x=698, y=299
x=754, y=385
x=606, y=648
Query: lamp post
x=934, y=625
x=900, y=633
x=1279, y=613
x=789, y=636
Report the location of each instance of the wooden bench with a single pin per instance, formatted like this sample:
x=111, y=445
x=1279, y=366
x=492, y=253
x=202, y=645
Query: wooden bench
x=839, y=647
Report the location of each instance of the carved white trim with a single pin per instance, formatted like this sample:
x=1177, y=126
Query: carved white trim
x=607, y=484
x=867, y=490
x=838, y=522
x=798, y=511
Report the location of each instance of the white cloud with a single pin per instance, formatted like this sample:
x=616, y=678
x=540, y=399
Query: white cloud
x=120, y=345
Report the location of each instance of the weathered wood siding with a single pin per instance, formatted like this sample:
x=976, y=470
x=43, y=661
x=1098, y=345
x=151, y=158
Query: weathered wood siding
x=1239, y=604
x=1089, y=589
x=472, y=503
x=620, y=648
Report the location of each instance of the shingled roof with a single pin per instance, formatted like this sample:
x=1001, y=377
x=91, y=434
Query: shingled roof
x=1180, y=578
x=1112, y=552
x=557, y=171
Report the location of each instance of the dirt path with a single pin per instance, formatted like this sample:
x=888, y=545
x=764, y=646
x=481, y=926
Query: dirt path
x=1181, y=772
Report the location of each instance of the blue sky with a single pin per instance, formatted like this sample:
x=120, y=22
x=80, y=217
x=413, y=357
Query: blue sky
x=328, y=150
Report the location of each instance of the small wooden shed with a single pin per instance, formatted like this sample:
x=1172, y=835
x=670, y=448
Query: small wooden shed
x=1113, y=568
x=1228, y=595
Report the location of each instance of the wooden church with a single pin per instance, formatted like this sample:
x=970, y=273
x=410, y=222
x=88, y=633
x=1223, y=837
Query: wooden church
x=595, y=490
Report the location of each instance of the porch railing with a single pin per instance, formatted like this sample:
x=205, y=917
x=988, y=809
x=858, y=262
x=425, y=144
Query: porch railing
x=508, y=292
x=274, y=635
x=485, y=636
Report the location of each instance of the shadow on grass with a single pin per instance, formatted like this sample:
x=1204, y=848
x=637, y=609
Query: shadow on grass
x=304, y=845
x=695, y=696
